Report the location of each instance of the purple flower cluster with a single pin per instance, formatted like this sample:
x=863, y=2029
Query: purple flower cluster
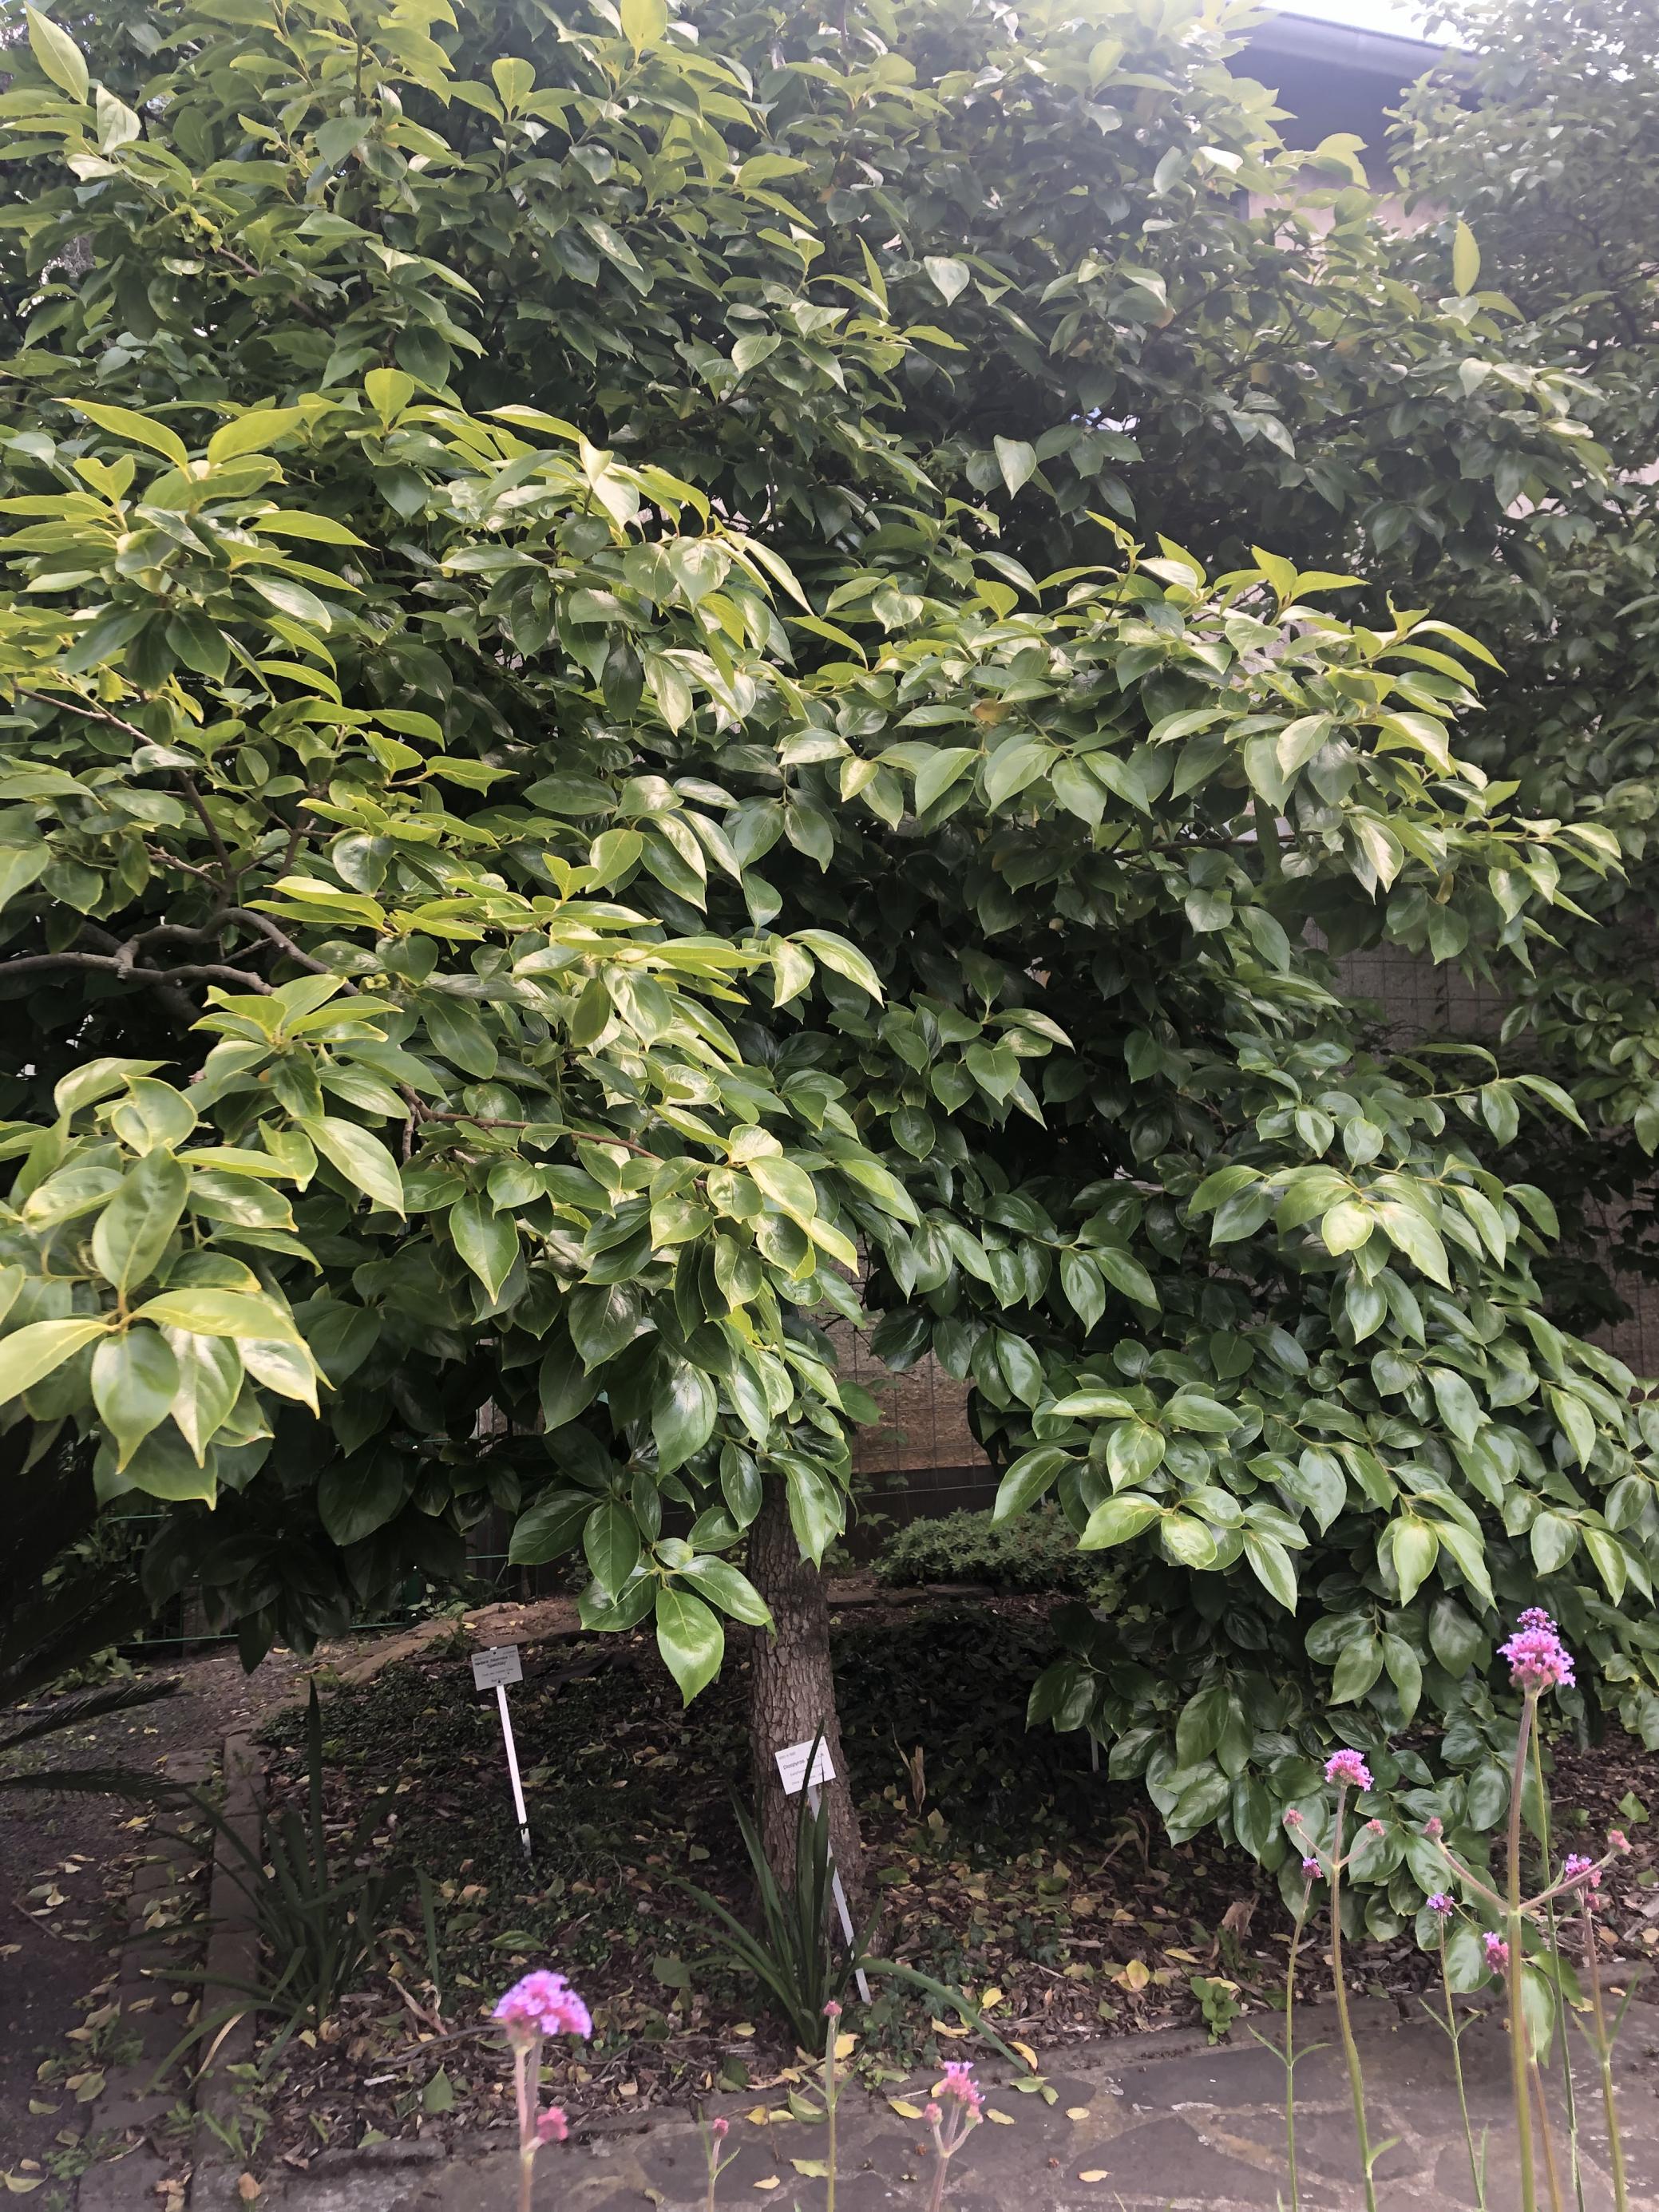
x=1348, y=1770
x=1440, y=1903
x=959, y=2083
x=1580, y=1872
x=1312, y=1869
x=1497, y=1953
x=1538, y=1659
x=543, y=2004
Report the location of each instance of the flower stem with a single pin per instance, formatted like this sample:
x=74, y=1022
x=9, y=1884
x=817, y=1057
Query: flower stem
x=1350, y=2048
x=1456, y=2035
x=1290, y=2049
x=1547, y=2139
x=1604, y=2060
x=1569, y=2088
x=1513, y=1929
x=829, y=2103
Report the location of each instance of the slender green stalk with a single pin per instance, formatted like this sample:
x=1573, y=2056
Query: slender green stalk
x=1289, y=2046
x=1547, y=1878
x=1519, y=2084
x=1604, y=2056
x=1477, y=2164
x=830, y=2095
x=1547, y=2139
x=1350, y=2048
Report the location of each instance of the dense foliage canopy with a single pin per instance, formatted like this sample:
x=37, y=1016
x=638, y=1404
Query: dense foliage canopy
x=640, y=693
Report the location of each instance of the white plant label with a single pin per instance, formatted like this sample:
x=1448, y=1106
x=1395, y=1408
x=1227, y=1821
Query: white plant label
x=500, y=1663
x=792, y=1767
x=493, y=1670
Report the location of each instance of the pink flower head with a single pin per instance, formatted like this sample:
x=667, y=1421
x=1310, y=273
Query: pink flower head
x=832, y=2010
x=1374, y=1828
x=1293, y=1819
x=1312, y=1869
x=552, y=2126
x=1440, y=1903
x=959, y=2083
x=543, y=2004
x=1497, y=1953
x=1538, y=1659
x=932, y=2114
x=1535, y=1617
x=720, y=2128
x=1348, y=1770
x=1434, y=1828
x=1580, y=1871
x=1617, y=1841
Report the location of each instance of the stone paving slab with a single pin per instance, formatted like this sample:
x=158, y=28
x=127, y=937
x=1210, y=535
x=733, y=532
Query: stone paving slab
x=1162, y=2124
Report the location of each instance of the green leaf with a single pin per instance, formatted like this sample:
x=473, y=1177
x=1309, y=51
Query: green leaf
x=603, y=1318
x=487, y=1241
x=681, y=1416
x=1017, y=461
x=1030, y=1475
x=817, y=1508
x=1115, y=1520
x=1093, y=1406
x=59, y=58
x=1271, y=1564
x=1080, y=1280
x=134, y=1377
x=610, y=1539
x=1126, y=1275
x=948, y=277
x=220, y=1313
x=137, y=430
x=361, y=1158
x=644, y=22
x=1133, y=1450
x=1358, y=1666
x=549, y=1527
x=357, y=1495
x=31, y=1353
x=1190, y=1409
x=134, y=1229
x=690, y=1640
x=1414, y=1549
x=1465, y=260
x=731, y=1590
x=846, y=959
x=253, y=433
x=564, y=1386
x=19, y=866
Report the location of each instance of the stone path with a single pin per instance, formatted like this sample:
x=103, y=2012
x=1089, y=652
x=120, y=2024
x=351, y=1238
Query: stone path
x=1155, y=2123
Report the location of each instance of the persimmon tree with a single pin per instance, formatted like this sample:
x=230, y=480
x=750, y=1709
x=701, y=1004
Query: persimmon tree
x=605, y=763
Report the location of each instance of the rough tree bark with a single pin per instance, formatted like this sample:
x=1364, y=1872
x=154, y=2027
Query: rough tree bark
x=792, y=1690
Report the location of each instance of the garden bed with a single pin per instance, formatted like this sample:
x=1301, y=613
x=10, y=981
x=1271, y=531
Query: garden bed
x=1005, y=1863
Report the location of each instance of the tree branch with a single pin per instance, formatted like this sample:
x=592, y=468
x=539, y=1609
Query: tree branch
x=112, y=963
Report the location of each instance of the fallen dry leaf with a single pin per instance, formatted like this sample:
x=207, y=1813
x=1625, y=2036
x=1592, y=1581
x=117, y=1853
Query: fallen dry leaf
x=1077, y=2111
x=1094, y=2174
x=770, y=2182
x=1002, y=2119
x=756, y=2115
x=905, y=2109
x=246, y=2188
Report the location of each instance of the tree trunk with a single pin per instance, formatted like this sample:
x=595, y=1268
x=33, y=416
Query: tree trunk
x=792, y=1690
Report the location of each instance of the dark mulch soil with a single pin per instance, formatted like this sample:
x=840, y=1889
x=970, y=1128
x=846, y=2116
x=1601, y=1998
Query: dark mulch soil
x=66, y=1868
x=1006, y=1866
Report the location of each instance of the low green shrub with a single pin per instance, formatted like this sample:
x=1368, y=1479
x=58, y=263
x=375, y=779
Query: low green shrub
x=1036, y=1551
